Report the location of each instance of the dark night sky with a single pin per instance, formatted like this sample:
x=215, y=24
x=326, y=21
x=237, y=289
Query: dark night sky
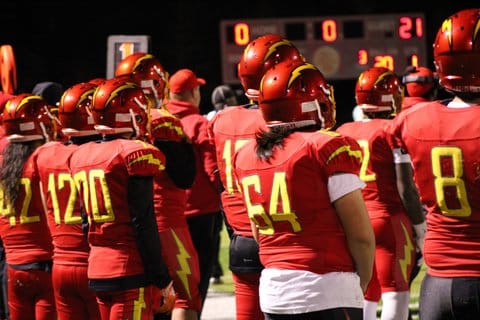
x=66, y=41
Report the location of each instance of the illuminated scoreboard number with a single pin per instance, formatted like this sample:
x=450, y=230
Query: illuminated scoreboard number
x=341, y=46
x=121, y=46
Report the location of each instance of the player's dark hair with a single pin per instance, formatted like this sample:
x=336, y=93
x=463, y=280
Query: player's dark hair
x=267, y=140
x=14, y=157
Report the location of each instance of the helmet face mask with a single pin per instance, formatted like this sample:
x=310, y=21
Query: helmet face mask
x=26, y=117
x=456, y=52
x=379, y=90
x=295, y=94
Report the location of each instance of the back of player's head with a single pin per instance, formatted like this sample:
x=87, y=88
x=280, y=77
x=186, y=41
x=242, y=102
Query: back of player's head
x=456, y=52
x=295, y=95
x=418, y=81
x=147, y=72
x=26, y=117
x=120, y=106
x=222, y=96
x=379, y=90
x=74, y=110
x=260, y=55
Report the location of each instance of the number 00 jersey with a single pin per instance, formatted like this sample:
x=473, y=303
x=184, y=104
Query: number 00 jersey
x=444, y=147
x=288, y=199
x=102, y=172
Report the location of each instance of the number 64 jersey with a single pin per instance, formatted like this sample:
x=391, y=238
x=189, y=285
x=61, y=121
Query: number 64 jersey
x=444, y=146
x=288, y=199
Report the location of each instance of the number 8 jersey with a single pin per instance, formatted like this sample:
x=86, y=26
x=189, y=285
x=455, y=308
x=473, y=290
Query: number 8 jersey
x=443, y=144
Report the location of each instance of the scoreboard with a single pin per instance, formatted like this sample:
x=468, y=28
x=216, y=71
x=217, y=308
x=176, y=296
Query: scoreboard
x=340, y=46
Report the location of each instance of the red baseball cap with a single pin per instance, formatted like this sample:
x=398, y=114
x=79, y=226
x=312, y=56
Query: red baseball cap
x=184, y=80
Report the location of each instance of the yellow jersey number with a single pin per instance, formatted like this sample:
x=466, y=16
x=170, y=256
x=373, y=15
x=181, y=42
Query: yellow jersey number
x=87, y=182
x=365, y=160
x=455, y=180
x=7, y=210
x=278, y=195
x=57, y=183
x=227, y=156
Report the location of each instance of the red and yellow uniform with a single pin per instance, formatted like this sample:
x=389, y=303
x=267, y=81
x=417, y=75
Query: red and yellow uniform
x=73, y=298
x=28, y=246
x=395, y=247
x=115, y=183
x=230, y=129
x=178, y=250
x=442, y=144
x=288, y=199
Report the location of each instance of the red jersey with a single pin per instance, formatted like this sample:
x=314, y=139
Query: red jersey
x=288, y=199
x=178, y=250
x=411, y=101
x=230, y=129
x=378, y=169
x=102, y=172
x=62, y=203
x=169, y=200
x=203, y=197
x=23, y=225
x=444, y=146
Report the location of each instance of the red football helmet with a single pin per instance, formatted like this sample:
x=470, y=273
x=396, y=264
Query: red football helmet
x=295, y=94
x=120, y=106
x=97, y=81
x=74, y=110
x=148, y=73
x=26, y=117
x=260, y=55
x=456, y=52
x=418, y=81
x=379, y=90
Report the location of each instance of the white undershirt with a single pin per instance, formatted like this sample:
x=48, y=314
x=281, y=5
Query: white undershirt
x=300, y=291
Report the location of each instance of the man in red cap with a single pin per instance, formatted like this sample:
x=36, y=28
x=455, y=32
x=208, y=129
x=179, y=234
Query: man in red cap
x=203, y=198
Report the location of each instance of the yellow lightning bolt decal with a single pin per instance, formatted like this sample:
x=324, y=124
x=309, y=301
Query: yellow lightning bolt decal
x=447, y=28
x=274, y=47
x=382, y=76
x=84, y=97
x=407, y=249
x=139, y=304
x=182, y=258
x=348, y=150
x=150, y=159
x=298, y=71
x=169, y=125
x=24, y=101
x=475, y=31
x=114, y=94
x=140, y=60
